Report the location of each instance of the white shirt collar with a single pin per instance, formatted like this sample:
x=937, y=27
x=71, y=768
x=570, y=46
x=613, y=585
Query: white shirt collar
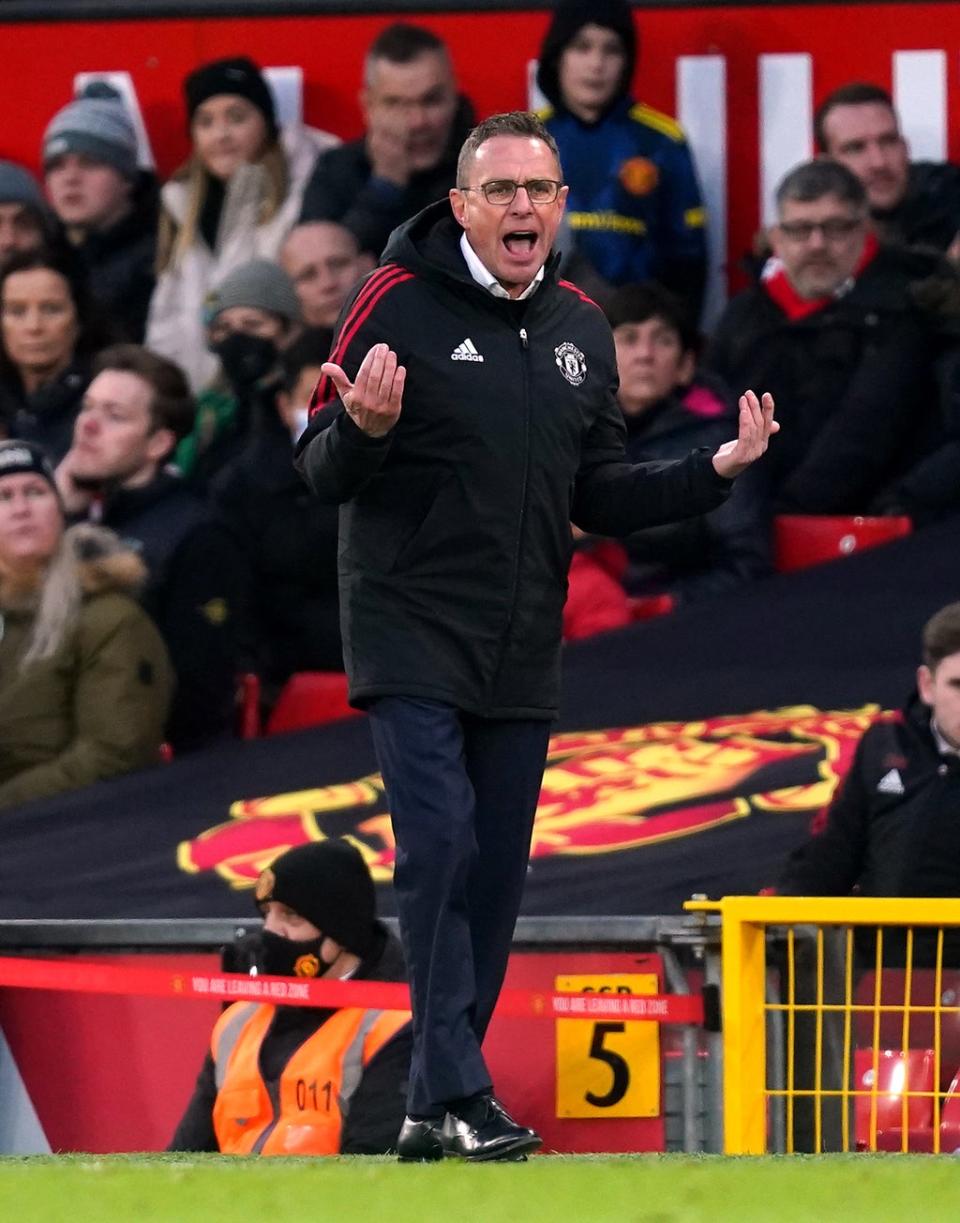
x=943, y=747
x=483, y=276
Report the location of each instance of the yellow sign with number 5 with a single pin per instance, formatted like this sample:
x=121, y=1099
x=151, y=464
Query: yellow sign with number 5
x=608, y=1069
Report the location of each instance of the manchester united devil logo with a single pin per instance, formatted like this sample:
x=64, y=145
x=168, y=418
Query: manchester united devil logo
x=571, y=362
x=603, y=791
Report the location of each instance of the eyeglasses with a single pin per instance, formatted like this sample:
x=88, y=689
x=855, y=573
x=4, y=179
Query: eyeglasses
x=502, y=191
x=832, y=229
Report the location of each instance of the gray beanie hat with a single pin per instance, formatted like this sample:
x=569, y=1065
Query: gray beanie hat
x=260, y=284
x=18, y=186
x=96, y=124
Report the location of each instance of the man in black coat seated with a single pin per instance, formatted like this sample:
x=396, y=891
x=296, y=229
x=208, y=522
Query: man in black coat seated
x=288, y=537
x=134, y=412
x=916, y=203
x=670, y=409
x=833, y=330
x=407, y=159
x=107, y=205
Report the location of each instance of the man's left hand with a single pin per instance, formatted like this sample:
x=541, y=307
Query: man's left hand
x=756, y=427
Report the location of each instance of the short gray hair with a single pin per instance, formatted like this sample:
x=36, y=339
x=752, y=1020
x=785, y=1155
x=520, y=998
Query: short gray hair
x=512, y=123
x=402, y=43
x=812, y=180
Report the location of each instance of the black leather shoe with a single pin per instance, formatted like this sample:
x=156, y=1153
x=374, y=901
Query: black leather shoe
x=486, y=1131
x=419, y=1141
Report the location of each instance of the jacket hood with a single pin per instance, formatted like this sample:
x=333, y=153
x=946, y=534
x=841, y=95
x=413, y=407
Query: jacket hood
x=568, y=19
x=105, y=562
x=429, y=245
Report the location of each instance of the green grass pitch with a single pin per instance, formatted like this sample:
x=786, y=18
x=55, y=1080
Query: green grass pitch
x=558, y=1189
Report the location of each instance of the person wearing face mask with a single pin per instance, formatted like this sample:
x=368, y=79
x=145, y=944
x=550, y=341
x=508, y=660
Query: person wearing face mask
x=235, y=199
x=288, y=537
x=287, y=1080
x=251, y=319
x=134, y=411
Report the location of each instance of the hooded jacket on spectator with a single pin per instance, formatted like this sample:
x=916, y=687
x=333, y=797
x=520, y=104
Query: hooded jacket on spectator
x=96, y=707
x=634, y=204
x=452, y=584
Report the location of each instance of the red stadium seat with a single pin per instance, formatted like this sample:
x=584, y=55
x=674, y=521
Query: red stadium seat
x=896, y=1076
x=248, y=706
x=310, y=698
x=801, y=540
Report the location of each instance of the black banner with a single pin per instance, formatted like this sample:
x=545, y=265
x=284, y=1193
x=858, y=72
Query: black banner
x=690, y=756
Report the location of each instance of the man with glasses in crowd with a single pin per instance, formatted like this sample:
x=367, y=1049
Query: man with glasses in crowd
x=467, y=413
x=832, y=330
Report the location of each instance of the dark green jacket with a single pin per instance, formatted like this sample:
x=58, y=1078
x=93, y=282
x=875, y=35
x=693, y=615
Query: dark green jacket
x=96, y=707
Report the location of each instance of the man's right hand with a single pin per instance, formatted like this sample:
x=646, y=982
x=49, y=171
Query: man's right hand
x=76, y=500
x=373, y=400
x=387, y=153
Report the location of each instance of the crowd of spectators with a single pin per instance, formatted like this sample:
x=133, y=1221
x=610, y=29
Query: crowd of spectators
x=159, y=345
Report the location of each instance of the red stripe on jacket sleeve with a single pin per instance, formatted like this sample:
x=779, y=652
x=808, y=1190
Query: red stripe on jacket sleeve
x=379, y=284
x=567, y=284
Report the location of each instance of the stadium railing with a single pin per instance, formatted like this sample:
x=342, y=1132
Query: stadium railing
x=841, y=1023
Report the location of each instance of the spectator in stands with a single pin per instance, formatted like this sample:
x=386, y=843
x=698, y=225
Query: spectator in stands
x=288, y=538
x=669, y=409
x=407, y=158
x=324, y=262
x=105, y=202
x=833, y=331
x=251, y=318
x=134, y=411
x=49, y=332
x=299, y=1080
x=85, y=681
x=916, y=203
x=236, y=199
x=891, y=829
x=25, y=222
x=634, y=204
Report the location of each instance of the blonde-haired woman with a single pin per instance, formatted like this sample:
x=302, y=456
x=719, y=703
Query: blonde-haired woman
x=85, y=681
x=235, y=199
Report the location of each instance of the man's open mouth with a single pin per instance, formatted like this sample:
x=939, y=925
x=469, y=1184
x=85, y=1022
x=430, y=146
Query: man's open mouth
x=520, y=241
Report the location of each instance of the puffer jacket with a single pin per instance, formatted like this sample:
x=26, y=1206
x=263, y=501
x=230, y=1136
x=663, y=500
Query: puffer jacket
x=96, y=707
x=175, y=326
x=455, y=527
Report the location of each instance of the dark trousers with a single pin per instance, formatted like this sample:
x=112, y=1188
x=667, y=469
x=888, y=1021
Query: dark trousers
x=462, y=792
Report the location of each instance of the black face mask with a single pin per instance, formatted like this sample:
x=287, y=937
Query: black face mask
x=246, y=359
x=287, y=957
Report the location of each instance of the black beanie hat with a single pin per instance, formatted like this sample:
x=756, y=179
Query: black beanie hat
x=569, y=17
x=18, y=457
x=328, y=883
x=239, y=75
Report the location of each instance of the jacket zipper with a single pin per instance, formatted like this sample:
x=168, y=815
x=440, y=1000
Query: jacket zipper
x=525, y=347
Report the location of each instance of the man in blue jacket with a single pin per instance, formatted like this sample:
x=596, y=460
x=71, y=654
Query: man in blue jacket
x=454, y=545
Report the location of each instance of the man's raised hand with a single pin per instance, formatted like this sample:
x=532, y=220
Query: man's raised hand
x=756, y=426
x=373, y=400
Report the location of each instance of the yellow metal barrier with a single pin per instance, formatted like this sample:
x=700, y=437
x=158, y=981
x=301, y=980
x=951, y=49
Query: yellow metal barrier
x=841, y=1023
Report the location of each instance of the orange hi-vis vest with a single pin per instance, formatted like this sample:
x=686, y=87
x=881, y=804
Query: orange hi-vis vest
x=303, y=1113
